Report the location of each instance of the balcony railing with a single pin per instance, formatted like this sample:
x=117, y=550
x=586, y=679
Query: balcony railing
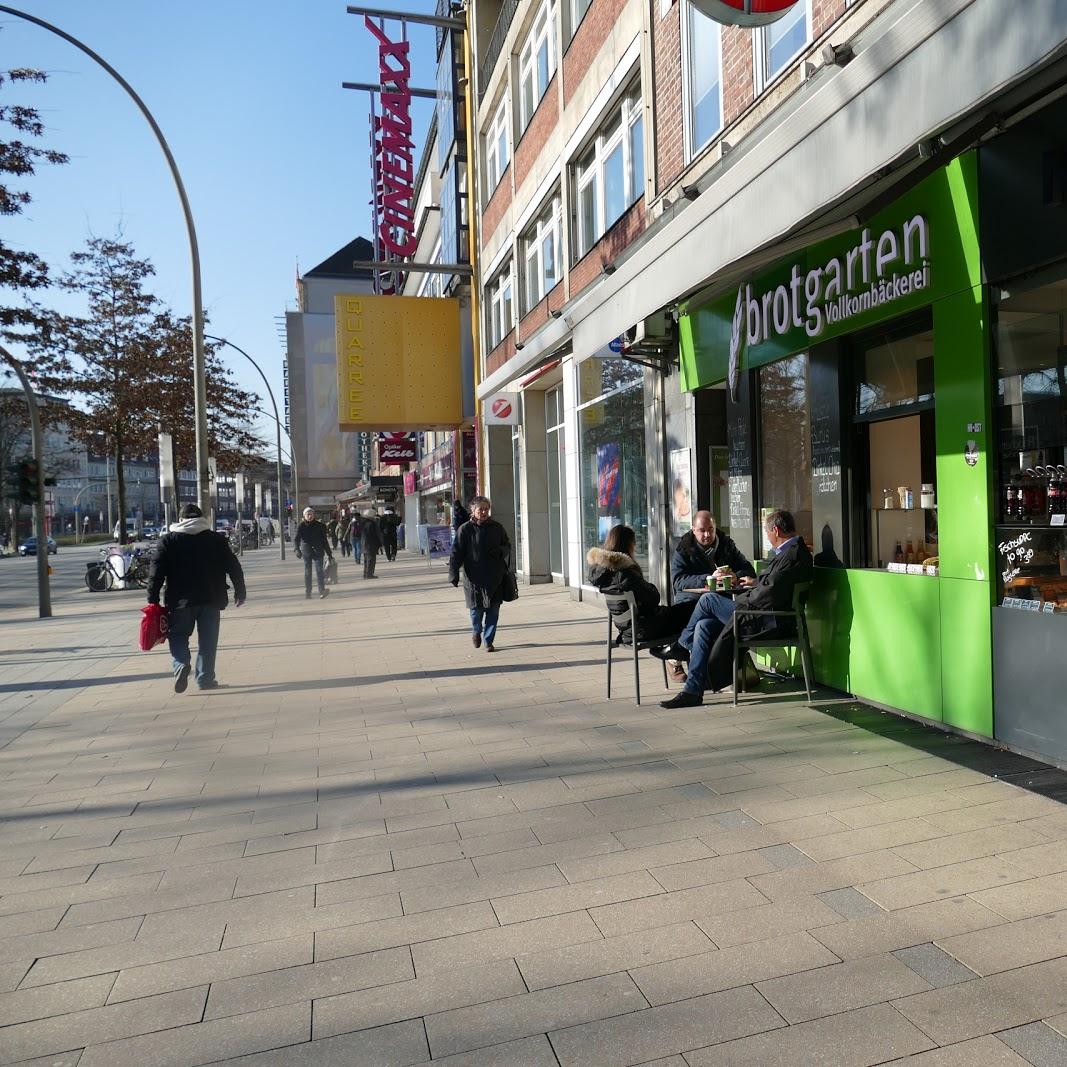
x=496, y=43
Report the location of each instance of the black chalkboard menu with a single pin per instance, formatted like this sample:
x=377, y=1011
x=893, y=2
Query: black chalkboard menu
x=741, y=467
x=827, y=462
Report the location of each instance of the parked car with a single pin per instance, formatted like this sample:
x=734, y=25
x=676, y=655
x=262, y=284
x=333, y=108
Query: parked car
x=29, y=547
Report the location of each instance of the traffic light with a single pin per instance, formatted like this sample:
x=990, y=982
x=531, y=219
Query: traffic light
x=27, y=482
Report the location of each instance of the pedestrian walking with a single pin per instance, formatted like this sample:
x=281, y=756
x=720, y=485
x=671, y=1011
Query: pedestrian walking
x=390, y=521
x=190, y=569
x=355, y=536
x=371, y=542
x=481, y=552
x=342, y=535
x=6, y=542
x=312, y=535
x=331, y=530
x=460, y=514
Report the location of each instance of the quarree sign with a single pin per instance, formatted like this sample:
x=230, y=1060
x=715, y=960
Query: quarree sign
x=920, y=249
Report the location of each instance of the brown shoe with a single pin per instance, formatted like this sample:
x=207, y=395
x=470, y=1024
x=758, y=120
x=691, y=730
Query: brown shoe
x=476, y=640
x=489, y=647
x=676, y=671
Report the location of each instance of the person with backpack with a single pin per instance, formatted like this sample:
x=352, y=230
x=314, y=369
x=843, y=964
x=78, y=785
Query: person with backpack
x=190, y=571
x=312, y=535
x=355, y=536
x=481, y=554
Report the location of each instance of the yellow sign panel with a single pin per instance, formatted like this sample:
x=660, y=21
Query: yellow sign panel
x=398, y=363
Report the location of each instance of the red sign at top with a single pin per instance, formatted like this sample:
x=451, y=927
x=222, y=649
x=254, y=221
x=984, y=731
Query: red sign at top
x=745, y=12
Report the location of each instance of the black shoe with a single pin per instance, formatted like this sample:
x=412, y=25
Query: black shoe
x=324, y=594
x=307, y=595
x=181, y=678
x=211, y=685
x=489, y=647
x=683, y=700
x=476, y=640
x=672, y=651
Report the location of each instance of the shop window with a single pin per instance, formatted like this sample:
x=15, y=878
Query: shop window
x=611, y=434
x=576, y=12
x=785, y=441
x=1031, y=416
x=499, y=307
x=496, y=148
x=555, y=452
x=891, y=409
x=610, y=175
x=702, y=52
x=779, y=43
x=516, y=481
x=542, y=254
x=537, y=62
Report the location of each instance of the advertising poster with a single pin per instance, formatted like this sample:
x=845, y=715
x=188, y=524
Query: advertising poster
x=438, y=541
x=608, y=487
x=681, y=491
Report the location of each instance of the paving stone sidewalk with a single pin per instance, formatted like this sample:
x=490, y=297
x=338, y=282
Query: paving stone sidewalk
x=378, y=846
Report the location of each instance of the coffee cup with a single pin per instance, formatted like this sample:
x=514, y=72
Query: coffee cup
x=725, y=583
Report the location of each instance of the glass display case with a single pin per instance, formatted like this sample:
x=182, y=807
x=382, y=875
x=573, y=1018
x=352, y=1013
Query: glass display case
x=1032, y=568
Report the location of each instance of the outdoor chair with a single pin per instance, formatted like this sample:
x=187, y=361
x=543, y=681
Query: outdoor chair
x=615, y=637
x=776, y=639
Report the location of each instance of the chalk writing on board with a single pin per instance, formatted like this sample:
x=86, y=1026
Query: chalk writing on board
x=1014, y=555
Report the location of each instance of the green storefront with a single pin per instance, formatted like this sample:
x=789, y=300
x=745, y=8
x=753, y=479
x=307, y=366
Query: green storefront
x=852, y=386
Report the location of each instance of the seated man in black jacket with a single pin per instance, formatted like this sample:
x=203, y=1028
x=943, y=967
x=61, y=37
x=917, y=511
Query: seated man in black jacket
x=700, y=554
x=613, y=570
x=709, y=635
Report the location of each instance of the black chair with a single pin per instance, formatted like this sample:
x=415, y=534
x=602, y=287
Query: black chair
x=629, y=615
x=776, y=638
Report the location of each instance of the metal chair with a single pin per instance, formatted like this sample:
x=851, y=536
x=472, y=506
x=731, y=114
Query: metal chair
x=615, y=639
x=774, y=639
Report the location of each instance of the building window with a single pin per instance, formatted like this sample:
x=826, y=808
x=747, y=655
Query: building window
x=496, y=147
x=778, y=43
x=610, y=175
x=537, y=62
x=702, y=53
x=542, y=254
x=433, y=284
x=578, y=8
x=499, y=307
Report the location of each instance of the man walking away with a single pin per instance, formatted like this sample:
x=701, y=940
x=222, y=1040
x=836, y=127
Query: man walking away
x=355, y=536
x=342, y=534
x=316, y=549
x=390, y=521
x=372, y=542
x=193, y=563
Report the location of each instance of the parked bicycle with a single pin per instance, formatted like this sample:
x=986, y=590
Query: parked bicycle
x=103, y=574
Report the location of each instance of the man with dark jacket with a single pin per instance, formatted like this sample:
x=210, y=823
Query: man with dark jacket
x=371, y=538
x=709, y=636
x=194, y=562
x=313, y=536
x=700, y=554
x=389, y=523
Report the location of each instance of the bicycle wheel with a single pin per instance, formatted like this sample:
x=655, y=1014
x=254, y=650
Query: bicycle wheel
x=139, y=577
x=99, y=578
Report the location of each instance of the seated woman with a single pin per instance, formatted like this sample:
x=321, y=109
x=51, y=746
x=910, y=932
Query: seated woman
x=614, y=571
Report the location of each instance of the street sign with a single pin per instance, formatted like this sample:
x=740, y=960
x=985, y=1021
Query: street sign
x=616, y=345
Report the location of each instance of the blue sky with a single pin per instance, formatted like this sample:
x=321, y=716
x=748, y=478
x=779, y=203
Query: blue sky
x=273, y=152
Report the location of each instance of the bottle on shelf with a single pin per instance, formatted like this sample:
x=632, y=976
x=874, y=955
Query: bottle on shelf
x=1057, y=490
x=1035, y=494
x=898, y=554
x=909, y=552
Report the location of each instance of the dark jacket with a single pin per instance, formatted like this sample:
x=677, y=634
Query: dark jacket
x=689, y=564
x=194, y=567
x=389, y=523
x=774, y=586
x=460, y=515
x=313, y=535
x=371, y=536
x=355, y=528
x=481, y=553
x=616, y=573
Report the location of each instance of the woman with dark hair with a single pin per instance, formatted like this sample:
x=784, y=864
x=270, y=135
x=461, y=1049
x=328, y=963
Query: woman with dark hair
x=614, y=571
x=481, y=555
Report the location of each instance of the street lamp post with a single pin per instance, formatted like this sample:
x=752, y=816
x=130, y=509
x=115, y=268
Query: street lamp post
x=292, y=462
x=199, y=380
x=270, y=393
x=44, y=593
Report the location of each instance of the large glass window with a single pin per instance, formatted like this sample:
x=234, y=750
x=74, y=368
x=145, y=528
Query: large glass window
x=578, y=8
x=610, y=175
x=1031, y=411
x=500, y=314
x=554, y=456
x=516, y=479
x=785, y=444
x=611, y=428
x=779, y=42
x=537, y=62
x=542, y=254
x=496, y=147
x=703, y=59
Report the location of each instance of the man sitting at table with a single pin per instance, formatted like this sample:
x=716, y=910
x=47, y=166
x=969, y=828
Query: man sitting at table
x=702, y=553
x=709, y=639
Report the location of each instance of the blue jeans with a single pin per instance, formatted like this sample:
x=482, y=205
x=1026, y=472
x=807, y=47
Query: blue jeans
x=710, y=617
x=487, y=628
x=320, y=572
x=357, y=550
x=180, y=623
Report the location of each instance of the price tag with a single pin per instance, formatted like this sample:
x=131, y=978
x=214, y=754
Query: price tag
x=1049, y=607
x=1057, y=520
x=1032, y=605
x=915, y=568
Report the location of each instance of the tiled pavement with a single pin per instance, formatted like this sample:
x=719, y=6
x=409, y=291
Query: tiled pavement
x=378, y=846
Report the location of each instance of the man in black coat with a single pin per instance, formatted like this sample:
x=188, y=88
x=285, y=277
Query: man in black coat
x=709, y=636
x=700, y=554
x=312, y=545
x=371, y=538
x=481, y=553
x=389, y=523
x=194, y=562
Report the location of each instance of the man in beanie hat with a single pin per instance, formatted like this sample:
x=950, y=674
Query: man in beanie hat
x=314, y=537
x=193, y=563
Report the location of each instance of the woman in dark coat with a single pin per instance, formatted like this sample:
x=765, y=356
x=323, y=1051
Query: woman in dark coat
x=482, y=552
x=613, y=570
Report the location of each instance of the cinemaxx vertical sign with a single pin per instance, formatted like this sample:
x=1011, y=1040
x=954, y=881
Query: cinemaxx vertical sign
x=920, y=249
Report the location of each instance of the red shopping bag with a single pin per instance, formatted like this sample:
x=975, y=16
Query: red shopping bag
x=153, y=626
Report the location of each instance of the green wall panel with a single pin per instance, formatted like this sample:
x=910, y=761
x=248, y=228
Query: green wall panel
x=878, y=635
x=966, y=655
